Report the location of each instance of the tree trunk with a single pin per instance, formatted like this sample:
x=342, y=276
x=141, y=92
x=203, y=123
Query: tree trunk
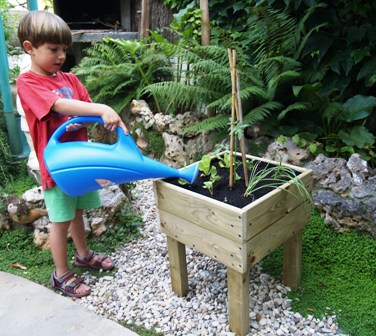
x=145, y=18
x=205, y=22
x=160, y=17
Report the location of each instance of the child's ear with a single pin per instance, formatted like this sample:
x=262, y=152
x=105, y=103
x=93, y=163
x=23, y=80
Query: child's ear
x=28, y=47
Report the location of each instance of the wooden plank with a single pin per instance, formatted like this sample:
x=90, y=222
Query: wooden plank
x=292, y=260
x=273, y=206
x=178, y=266
x=238, y=301
x=220, y=248
x=215, y=216
x=273, y=236
x=297, y=168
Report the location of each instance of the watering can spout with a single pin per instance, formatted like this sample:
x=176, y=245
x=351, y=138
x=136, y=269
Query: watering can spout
x=77, y=166
x=189, y=173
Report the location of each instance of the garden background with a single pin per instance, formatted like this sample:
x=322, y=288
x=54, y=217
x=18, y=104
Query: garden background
x=307, y=71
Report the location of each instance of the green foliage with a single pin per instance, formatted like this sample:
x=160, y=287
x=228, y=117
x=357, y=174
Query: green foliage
x=201, y=79
x=9, y=29
x=338, y=277
x=140, y=330
x=17, y=246
x=176, y=4
x=156, y=143
x=187, y=22
x=306, y=70
x=117, y=71
x=297, y=76
x=13, y=174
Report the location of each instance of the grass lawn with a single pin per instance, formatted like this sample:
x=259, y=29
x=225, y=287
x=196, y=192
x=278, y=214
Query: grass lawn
x=339, y=277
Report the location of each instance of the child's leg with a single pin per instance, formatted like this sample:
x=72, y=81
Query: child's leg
x=77, y=230
x=58, y=242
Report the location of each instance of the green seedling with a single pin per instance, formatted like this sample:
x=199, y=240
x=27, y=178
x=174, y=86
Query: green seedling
x=210, y=184
x=275, y=177
x=205, y=166
x=225, y=162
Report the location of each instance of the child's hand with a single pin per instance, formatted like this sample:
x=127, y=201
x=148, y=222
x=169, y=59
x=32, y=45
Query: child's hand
x=112, y=121
x=74, y=127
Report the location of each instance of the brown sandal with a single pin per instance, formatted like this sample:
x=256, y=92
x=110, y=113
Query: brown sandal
x=61, y=284
x=89, y=262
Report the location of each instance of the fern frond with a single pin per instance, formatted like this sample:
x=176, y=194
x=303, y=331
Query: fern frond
x=210, y=124
x=259, y=113
x=274, y=33
x=299, y=106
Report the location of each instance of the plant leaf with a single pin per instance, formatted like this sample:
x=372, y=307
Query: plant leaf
x=357, y=107
x=357, y=136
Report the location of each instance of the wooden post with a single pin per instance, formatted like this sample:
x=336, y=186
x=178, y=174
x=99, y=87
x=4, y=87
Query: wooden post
x=238, y=301
x=292, y=261
x=145, y=18
x=205, y=22
x=178, y=266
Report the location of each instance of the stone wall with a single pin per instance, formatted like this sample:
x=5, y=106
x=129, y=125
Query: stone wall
x=344, y=191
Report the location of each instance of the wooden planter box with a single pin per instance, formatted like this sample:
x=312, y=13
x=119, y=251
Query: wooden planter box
x=236, y=237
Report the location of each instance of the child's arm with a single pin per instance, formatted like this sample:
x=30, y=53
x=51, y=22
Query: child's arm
x=73, y=107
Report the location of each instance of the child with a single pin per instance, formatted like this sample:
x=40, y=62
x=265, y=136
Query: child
x=49, y=97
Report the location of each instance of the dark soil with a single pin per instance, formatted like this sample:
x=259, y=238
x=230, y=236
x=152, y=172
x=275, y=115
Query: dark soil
x=221, y=188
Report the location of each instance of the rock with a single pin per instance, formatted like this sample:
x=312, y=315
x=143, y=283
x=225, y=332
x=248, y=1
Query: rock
x=4, y=222
x=182, y=121
x=358, y=168
x=98, y=226
x=287, y=152
x=162, y=121
x=345, y=193
x=330, y=173
x=34, y=195
x=96, y=220
x=180, y=151
x=20, y=212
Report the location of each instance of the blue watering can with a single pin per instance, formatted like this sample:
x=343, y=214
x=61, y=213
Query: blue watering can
x=76, y=165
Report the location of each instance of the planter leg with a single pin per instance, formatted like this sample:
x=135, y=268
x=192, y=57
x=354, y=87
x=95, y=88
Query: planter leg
x=238, y=301
x=292, y=261
x=178, y=266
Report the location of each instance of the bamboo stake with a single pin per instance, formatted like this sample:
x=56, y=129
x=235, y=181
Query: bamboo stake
x=239, y=114
x=232, y=60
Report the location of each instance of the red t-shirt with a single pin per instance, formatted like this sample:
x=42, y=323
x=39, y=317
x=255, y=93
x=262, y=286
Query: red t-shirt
x=38, y=94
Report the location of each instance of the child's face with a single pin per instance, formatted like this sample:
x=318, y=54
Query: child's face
x=48, y=58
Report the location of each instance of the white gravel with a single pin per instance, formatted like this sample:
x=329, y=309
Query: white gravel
x=140, y=290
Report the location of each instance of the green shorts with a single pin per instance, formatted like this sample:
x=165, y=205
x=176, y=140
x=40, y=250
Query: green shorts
x=62, y=207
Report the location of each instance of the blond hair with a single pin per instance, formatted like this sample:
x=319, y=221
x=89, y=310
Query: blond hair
x=41, y=27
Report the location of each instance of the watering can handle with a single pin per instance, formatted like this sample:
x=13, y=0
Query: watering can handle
x=126, y=139
x=76, y=120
